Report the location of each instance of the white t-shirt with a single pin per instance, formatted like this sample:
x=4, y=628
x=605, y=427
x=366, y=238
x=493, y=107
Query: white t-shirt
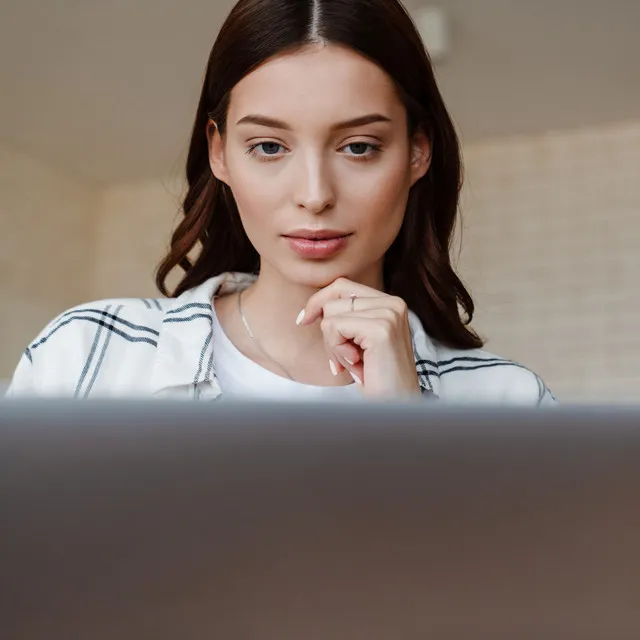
x=238, y=375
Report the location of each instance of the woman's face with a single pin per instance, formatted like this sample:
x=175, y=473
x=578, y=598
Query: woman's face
x=317, y=155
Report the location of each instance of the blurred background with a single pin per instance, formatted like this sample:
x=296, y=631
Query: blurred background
x=96, y=106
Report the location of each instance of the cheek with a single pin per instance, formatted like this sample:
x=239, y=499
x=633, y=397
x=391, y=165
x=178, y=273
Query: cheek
x=380, y=197
x=255, y=199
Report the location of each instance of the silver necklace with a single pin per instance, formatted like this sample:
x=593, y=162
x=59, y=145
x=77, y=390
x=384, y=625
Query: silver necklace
x=256, y=341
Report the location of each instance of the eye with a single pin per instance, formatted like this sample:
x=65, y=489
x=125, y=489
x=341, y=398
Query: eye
x=362, y=150
x=266, y=150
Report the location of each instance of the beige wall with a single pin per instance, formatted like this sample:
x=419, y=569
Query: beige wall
x=63, y=242
x=47, y=226
x=136, y=221
x=551, y=254
x=549, y=251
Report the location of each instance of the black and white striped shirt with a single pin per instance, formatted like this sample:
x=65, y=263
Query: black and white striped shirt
x=164, y=348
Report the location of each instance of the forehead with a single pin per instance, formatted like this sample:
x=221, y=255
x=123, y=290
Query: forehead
x=320, y=84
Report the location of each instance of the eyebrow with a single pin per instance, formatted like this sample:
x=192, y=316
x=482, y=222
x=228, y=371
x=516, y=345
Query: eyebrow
x=347, y=124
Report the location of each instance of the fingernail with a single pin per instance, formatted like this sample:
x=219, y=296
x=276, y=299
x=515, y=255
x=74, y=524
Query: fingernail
x=355, y=378
x=300, y=317
x=333, y=368
x=348, y=361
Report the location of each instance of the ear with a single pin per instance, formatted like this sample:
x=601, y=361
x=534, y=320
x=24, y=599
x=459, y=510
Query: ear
x=216, y=152
x=420, y=156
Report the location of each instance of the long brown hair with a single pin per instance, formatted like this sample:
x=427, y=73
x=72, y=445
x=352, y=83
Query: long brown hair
x=417, y=266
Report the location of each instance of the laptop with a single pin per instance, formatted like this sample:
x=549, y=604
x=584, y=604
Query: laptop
x=154, y=520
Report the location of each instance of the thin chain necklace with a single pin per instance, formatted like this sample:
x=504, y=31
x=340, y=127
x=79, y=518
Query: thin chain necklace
x=256, y=342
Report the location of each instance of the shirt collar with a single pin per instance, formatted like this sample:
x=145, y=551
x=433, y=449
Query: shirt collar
x=185, y=351
x=184, y=355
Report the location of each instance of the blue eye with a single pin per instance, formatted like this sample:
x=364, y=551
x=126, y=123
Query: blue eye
x=358, y=148
x=270, y=148
x=265, y=149
x=362, y=150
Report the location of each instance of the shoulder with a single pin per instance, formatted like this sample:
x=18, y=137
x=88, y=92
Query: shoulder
x=474, y=375
x=65, y=356
x=123, y=346
x=477, y=375
x=131, y=319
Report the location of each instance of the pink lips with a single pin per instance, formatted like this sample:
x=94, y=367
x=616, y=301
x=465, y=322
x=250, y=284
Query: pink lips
x=317, y=244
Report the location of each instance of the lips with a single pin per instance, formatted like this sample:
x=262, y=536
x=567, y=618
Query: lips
x=317, y=245
x=320, y=234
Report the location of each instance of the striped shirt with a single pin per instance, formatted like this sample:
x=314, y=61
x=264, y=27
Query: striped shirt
x=164, y=348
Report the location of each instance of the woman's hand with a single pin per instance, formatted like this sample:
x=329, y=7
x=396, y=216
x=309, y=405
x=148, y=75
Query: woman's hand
x=367, y=333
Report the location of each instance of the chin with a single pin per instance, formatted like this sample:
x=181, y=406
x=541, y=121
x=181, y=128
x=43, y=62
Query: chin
x=319, y=274
x=316, y=277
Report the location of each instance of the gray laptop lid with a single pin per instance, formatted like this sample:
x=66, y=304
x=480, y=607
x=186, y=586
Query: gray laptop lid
x=156, y=520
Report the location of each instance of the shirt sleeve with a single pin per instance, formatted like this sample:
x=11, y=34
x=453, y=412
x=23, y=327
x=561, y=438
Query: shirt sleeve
x=546, y=398
x=23, y=380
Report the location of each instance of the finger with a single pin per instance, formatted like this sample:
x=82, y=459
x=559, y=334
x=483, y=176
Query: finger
x=339, y=331
x=382, y=313
x=343, y=354
x=360, y=305
x=348, y=354
x=378, y=328
x=337, y=362
x=340, y=288
x=346, y=357
x=335, y=365
x=357, y=373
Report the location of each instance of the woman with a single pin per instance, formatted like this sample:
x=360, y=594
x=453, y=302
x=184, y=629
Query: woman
x=323, y=182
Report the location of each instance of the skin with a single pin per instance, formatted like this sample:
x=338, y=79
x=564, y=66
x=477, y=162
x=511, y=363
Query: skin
x=306, y=169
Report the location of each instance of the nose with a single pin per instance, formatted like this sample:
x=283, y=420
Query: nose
x=314, y=189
